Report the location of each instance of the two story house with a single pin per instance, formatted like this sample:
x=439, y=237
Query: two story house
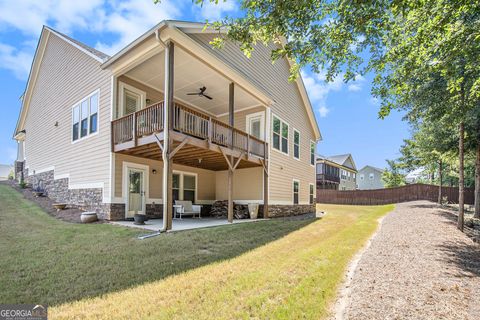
x=168, y=117
x=336, y=172
x=370, y=177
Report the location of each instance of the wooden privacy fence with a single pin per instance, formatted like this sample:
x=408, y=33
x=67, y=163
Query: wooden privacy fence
x=409, y=192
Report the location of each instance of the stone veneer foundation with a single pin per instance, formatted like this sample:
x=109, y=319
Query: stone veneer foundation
x=91, y=199
x=287, y=210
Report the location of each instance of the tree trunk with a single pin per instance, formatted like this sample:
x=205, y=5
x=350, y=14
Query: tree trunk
x=477, y=181
x=440, y=173
x=461, y=178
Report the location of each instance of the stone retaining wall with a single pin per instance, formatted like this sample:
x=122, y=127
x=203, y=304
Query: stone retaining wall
x=276, y=210
x=89, y=199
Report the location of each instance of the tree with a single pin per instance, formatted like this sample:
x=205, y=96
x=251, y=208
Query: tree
x=410, y=43
x=392, y=177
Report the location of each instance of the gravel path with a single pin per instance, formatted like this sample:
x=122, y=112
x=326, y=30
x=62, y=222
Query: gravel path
x=418, y=266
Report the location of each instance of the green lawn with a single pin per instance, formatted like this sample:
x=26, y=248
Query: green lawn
x=272, y=269
x=45, y=260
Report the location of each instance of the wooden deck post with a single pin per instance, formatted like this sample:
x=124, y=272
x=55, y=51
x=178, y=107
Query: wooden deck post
x=167, y=141
x=231, y=92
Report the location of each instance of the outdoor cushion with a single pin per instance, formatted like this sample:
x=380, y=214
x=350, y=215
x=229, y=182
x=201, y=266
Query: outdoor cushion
x=187, y=205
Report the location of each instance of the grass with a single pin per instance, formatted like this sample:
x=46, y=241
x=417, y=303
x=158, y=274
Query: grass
x=294, y=277
x=273, y=269
x=48, y=261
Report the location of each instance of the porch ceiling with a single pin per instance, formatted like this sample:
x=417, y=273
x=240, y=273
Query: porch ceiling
x=188, y=155
x=190, y=75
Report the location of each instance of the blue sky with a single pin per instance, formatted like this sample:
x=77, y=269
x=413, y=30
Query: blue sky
x=346, y=113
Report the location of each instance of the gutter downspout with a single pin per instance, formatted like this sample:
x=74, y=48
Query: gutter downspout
x=164, y=227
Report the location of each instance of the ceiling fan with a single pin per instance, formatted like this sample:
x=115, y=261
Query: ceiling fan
x=201, y=93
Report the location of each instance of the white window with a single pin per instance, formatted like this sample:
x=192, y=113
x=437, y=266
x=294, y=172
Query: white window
x=184, y=186
x=85, y=117
x=256, y=125
x=296, y=144
x=371, y=176
x=362, y=176
x=312, y=193
x=354, y=175
x=312, y=153
x=280, y=135
x=131, y=99
x=296, y=190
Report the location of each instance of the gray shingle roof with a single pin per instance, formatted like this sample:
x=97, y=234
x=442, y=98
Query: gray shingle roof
x=340, y=159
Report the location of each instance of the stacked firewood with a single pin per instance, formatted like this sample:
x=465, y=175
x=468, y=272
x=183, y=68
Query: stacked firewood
x=220, y=210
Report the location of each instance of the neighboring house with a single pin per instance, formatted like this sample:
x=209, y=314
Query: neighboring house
x=370, y=178
x=95, y=129
x=336, y=172
x=5, y=171
x=416, y=176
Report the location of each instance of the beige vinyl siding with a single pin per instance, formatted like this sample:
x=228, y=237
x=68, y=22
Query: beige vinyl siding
x=240, y=118
x=66, y=76
x=205, y=183
x=152, y=94
x=247, y=184
x=288, y=105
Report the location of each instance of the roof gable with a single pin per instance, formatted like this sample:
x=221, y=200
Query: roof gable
x=37, y=61
x=345, y=160
x=371, y=167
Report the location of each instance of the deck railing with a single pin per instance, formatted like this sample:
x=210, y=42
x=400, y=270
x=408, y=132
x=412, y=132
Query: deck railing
x=188, y=121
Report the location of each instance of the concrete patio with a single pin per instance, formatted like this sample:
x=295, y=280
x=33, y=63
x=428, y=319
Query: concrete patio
x=183, y=224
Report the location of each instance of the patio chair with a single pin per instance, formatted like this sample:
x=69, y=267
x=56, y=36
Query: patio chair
x=186, y=208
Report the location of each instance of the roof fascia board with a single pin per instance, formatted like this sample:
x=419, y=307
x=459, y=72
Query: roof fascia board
x=137, y=59
x=119, y=54
x=307, y=103
x=32, y=78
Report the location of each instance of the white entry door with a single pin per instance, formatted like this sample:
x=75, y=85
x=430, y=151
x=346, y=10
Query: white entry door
x=135, y=192
x=255, y=125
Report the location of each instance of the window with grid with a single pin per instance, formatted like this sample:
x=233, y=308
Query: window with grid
x=280, y=135
x=296, y=144
x=85, y=117
x=296, y=187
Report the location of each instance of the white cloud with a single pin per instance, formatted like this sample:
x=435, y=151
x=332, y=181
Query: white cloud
x=354, y=87
x=16, y=61
x=323, y=111
x=130, y=19
x=318, y=90
x=357, y=84
x=28, y=16
x=212, y=12
x=374, y=101
x=126, y=19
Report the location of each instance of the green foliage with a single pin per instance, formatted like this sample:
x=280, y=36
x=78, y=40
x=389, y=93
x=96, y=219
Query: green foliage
x=392, y=176
x=23, y=184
